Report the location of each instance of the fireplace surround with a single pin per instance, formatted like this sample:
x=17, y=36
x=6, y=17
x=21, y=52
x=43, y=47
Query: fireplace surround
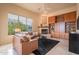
x=44, y=31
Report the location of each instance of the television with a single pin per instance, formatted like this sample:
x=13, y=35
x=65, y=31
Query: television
x=78, y=23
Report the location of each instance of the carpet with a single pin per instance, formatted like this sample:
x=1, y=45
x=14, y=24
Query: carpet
x=45, y=45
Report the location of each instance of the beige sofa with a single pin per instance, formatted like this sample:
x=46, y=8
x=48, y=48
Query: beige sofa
x=60, y=35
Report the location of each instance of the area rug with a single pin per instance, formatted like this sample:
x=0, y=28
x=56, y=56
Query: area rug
x=45, y=45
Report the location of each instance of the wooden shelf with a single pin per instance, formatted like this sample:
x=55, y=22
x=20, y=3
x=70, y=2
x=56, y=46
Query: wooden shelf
x=70, y=27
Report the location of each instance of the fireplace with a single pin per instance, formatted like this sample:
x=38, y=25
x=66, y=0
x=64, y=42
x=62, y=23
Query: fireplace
x=44, y=31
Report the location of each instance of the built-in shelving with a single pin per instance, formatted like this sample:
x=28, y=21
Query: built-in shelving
x=70, y=27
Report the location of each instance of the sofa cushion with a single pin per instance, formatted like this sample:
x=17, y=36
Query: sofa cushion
x=34, y=36
x=25, y=38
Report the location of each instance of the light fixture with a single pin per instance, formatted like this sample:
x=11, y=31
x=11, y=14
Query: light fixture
x=43, y=9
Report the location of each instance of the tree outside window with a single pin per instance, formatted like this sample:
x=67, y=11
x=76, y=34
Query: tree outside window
x=18, y=22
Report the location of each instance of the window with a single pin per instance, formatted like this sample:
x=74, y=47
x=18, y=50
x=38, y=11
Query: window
x=23, y=23
x=29, y=24
x=12, y=19
x=18, y=23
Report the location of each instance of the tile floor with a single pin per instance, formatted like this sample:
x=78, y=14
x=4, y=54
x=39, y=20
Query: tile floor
x=60, y=49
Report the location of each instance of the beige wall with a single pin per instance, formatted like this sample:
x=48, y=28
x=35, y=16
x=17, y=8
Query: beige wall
x=9, y=8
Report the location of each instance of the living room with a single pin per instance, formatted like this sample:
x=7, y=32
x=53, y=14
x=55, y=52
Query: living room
x=48, y=20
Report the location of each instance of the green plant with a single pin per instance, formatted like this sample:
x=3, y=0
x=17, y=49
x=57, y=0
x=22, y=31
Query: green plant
x=11, y=29
x=13, y=25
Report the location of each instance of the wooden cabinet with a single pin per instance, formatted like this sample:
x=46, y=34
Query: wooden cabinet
x=64, y=24
x=70, y=17
x=51, y=22
x=66, y=17
x=70, y=22
x=51, y=19
x=60, y=18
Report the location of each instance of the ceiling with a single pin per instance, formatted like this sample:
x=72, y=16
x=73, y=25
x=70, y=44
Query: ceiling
x=45, y=7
